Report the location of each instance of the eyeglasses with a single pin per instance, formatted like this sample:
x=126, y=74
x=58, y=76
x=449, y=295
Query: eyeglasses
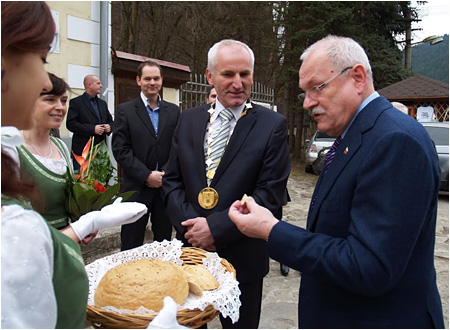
x=314, y=92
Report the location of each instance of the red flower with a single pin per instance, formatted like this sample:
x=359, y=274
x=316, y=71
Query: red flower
x=83, y=159
x=99, y=187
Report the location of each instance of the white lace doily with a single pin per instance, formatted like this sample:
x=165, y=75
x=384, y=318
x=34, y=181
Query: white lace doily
x=225, y=299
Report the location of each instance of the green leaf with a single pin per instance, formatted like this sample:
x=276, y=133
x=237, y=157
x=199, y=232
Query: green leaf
x=126, y=195
x=86, y=200
x=79, y=189
x=106, y=197
x=100, y=166
x=72, y=208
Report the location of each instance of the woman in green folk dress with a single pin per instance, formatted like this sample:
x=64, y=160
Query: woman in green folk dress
x=46, y=159
x=43, y=281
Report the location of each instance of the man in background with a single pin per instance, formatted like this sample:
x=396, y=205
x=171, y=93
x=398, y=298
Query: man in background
x=212, y=95
x=141, y=145
x=88, y=116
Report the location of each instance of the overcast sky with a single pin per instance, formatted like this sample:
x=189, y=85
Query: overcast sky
x=435, y=19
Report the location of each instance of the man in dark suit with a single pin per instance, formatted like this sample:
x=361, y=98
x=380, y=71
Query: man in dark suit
x=88, y=116
x=141, y=144
x=202, y=181
x=367, y=254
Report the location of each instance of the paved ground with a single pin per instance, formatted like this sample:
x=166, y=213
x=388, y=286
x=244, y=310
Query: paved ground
x=280, y=295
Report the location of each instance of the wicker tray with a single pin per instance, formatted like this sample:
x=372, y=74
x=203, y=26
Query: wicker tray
x=102, y=319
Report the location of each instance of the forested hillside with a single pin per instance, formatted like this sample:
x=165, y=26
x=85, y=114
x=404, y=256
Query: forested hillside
x=431, y=61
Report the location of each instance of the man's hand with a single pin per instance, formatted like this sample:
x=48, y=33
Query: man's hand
x=99, y=129
x=251, y=219
x=154, y=180
x=106, y=128
x=198, y=234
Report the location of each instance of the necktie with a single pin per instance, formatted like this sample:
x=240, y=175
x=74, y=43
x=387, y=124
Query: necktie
x=330, y=154
x=95, y=106
x=219, y=141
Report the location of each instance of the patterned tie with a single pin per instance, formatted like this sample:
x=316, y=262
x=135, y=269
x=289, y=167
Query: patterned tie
x=219, y=140
x=330, y=154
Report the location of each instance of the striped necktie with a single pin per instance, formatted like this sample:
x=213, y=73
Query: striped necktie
x=217, y=146
x=330, y=154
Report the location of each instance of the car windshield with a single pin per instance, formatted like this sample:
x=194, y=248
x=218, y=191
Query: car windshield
x=439, y=135
x=321, y=135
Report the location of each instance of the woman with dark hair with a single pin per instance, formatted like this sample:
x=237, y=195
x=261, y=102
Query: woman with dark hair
x=46, y=159
x=43, y=281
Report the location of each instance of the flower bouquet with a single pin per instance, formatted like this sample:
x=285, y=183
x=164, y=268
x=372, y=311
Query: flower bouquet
x=89, y=189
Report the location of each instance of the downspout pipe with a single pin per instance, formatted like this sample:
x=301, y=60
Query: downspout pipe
x=104, y=49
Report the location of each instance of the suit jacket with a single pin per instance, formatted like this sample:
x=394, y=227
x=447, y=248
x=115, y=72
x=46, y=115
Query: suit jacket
x=255, y=162
x=81, y=121
x=367, y=255
x=136, y=147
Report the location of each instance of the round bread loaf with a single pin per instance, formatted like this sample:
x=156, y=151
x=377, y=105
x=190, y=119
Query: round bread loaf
x=200, y=279
x=143, y=282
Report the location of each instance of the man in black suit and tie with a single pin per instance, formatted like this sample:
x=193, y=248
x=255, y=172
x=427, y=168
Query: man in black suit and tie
x=220, y=152
x=141, y=143
x=88, y=116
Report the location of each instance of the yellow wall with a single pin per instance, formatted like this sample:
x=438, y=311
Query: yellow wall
x=70, y=51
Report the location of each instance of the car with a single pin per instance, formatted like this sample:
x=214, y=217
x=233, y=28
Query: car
x=319, y=140
x=438, y=132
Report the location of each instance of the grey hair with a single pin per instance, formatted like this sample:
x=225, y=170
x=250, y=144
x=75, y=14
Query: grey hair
x=342, y=51
x=214, y=52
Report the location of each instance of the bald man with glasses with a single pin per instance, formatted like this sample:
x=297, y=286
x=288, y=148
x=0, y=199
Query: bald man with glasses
x=367, y=254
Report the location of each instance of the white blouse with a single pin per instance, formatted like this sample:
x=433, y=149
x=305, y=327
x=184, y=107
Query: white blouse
x=28, y=297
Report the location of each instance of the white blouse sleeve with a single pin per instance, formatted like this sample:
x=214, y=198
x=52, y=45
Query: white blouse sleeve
x=28, y=298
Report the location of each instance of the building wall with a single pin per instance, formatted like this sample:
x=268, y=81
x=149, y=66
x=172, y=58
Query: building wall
x=78, y=47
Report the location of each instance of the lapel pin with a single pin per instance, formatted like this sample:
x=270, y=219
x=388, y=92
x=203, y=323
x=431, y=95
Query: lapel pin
x=346, y=151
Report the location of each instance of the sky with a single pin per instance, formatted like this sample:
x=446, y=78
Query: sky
x=435, y=19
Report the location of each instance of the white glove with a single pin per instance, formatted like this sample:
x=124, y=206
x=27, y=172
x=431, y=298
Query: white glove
x=167, y=316
x=115, y=214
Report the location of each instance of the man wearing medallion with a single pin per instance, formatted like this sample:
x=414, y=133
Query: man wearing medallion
x=202, y=180
x=143, y=131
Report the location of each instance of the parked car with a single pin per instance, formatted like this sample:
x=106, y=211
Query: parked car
x=319, y=140
x=318, y=164
x=439, y=134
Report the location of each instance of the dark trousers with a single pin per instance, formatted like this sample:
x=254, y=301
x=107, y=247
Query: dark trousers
x=132, y=235
x=250, y=311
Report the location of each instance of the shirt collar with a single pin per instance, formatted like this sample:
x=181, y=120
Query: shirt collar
x=90, y=97
x=237, y=111
x=364, y=103
x=145, y=101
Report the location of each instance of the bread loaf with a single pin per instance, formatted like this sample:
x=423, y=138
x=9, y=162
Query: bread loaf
x=200, y=279
x=143, y=282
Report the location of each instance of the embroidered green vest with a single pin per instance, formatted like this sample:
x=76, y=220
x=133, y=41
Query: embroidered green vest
x=70, y=280
x=52, y=186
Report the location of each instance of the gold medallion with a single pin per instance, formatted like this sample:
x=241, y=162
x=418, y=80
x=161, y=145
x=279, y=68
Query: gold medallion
x=208, y=198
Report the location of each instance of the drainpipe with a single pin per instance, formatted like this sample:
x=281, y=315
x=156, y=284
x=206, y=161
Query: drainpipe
x=104, y=56
x=104, y=49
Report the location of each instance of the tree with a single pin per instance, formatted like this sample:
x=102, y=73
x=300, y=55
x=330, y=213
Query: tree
x=278, y=32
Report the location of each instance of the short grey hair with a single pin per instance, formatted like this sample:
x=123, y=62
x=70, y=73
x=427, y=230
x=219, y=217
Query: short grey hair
x=342, y=51
x=214, y=52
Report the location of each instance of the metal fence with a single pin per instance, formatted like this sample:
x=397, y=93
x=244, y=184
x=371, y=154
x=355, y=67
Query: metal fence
x=195, y=91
